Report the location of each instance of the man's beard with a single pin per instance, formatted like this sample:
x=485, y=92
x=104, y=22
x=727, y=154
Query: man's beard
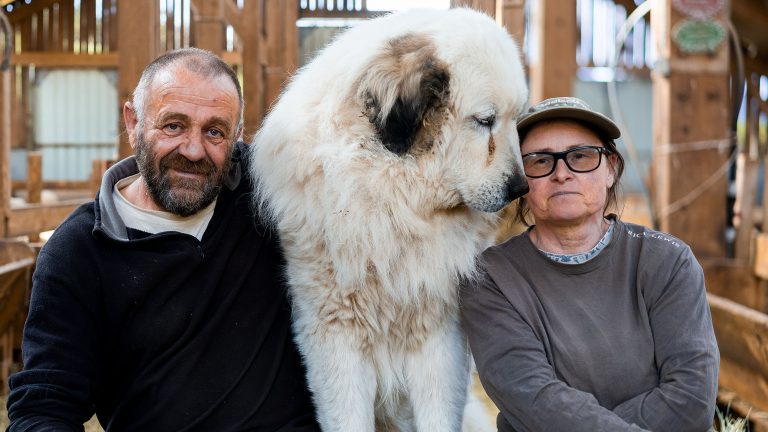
x=180, y=196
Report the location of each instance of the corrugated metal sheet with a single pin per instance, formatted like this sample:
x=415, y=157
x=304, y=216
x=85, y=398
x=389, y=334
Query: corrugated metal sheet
x=75, y=120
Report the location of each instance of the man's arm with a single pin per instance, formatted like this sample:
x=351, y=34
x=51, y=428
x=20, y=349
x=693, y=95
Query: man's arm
x=515, y=372
x=54, y=391
x=686, y=355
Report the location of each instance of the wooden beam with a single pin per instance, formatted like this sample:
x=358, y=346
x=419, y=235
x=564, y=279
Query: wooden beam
x=486, y=6
x=282, y=49
x=690, y=106
x=138, y=44
x=6, y=126
x=758, y=420
x=34, y=177
x=734, y=280
x=210, y=25
x=554, y=70
x=25, y=11
x=742, y=336
x=346, y=14
x=252, y=67
x=511, y=15
x=36, y=218
x=233, y=16
x=232, y=58
x=48, y=59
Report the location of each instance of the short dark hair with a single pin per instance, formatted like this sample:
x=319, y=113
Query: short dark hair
x=523, y=210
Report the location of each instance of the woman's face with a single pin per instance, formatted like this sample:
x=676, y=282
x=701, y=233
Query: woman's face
x=565, y=197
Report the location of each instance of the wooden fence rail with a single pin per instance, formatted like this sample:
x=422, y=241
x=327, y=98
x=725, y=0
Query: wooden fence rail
x=742, y=335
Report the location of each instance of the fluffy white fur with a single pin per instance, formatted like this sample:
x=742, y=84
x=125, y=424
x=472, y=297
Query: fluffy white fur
x=382, y=165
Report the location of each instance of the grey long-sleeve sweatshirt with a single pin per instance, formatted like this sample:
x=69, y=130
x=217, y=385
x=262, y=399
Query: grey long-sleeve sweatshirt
x=623, y=342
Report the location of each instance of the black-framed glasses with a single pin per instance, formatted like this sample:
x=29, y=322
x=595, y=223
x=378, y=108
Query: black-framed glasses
x=578, y=159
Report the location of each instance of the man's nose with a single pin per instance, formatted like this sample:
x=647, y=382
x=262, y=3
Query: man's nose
x=193, y=147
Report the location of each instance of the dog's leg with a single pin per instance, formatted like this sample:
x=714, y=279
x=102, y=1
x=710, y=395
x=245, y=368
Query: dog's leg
x=437, y=377
x=342, y=380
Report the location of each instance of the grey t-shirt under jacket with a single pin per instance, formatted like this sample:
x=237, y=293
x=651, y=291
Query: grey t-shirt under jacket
x=622, y=342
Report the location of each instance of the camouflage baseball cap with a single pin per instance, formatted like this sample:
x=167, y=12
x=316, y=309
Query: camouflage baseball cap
x=567, y=108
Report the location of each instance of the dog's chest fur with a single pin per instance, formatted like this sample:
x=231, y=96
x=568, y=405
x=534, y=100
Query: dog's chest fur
x=381, y=283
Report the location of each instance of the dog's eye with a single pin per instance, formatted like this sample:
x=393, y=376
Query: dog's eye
x=487, y=121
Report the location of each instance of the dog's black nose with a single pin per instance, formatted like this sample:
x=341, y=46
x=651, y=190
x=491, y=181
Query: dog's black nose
x=517, y=187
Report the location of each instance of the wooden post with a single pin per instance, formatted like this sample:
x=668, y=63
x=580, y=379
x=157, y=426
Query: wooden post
x=282, y=45
x=553, y=64
x=98, y=168
x=253, y=66
x=511, y=15
x=487, y=6
x=210, y=26
x=34, y=177
x=691, y=104
x=5, y=150
x=138, y=45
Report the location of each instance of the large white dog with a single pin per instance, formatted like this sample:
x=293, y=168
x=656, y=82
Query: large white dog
x=382, y=165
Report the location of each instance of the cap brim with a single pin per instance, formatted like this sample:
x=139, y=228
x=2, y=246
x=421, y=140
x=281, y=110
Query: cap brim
x=595, y=119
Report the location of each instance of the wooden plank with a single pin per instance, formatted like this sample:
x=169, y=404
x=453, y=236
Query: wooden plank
x=16, y=262
x=98, y=168
x=346, y=14
x=66, y=60
x=39, y=31
x=742, y=336
x=555, y=70
x=139, y=43
x=34, y=176
x=26, y=11
x=36, y=218
x=511, y=15
x=233, y=16
x=56, y=35
x=690, y=107
x=252, y=66
x=746, y=181
x=50, y=26
x=758, y=420
x=70, y=6
x=734, y=279
x=232, y=58
x=486, y=6
x=6, y=126
x=282, y=46
x=761, y=255
x=59, y=185
x=210, y=26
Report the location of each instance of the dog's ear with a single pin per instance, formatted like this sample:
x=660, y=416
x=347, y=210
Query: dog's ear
x=404, y=86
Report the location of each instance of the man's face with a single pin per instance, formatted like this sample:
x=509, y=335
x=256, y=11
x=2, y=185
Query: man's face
x=183, y=146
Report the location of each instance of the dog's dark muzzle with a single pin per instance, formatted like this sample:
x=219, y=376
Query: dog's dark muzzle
x=517, y=187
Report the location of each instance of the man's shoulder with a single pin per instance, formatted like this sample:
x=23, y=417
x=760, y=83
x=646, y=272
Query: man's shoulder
x=82, y=219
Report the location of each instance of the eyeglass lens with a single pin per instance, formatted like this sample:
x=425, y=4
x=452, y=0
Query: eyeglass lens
x=579, y=159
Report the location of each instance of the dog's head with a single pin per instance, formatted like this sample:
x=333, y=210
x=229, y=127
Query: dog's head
x=448, y=93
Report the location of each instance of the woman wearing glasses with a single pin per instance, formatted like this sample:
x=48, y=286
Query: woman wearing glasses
x=584, y=322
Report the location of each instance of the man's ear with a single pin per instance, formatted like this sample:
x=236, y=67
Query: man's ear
x=130, y=119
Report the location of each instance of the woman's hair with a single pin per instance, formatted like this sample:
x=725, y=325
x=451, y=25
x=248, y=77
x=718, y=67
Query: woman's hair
x=523, y=210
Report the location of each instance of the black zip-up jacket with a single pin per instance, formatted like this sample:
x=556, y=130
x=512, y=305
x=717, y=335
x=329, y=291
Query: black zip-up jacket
x=161, y=332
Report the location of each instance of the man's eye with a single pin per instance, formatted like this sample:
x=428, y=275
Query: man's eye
x=172, y=127
x=216, y=133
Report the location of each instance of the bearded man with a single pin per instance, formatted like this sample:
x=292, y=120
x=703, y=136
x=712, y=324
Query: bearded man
x=160, y=305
